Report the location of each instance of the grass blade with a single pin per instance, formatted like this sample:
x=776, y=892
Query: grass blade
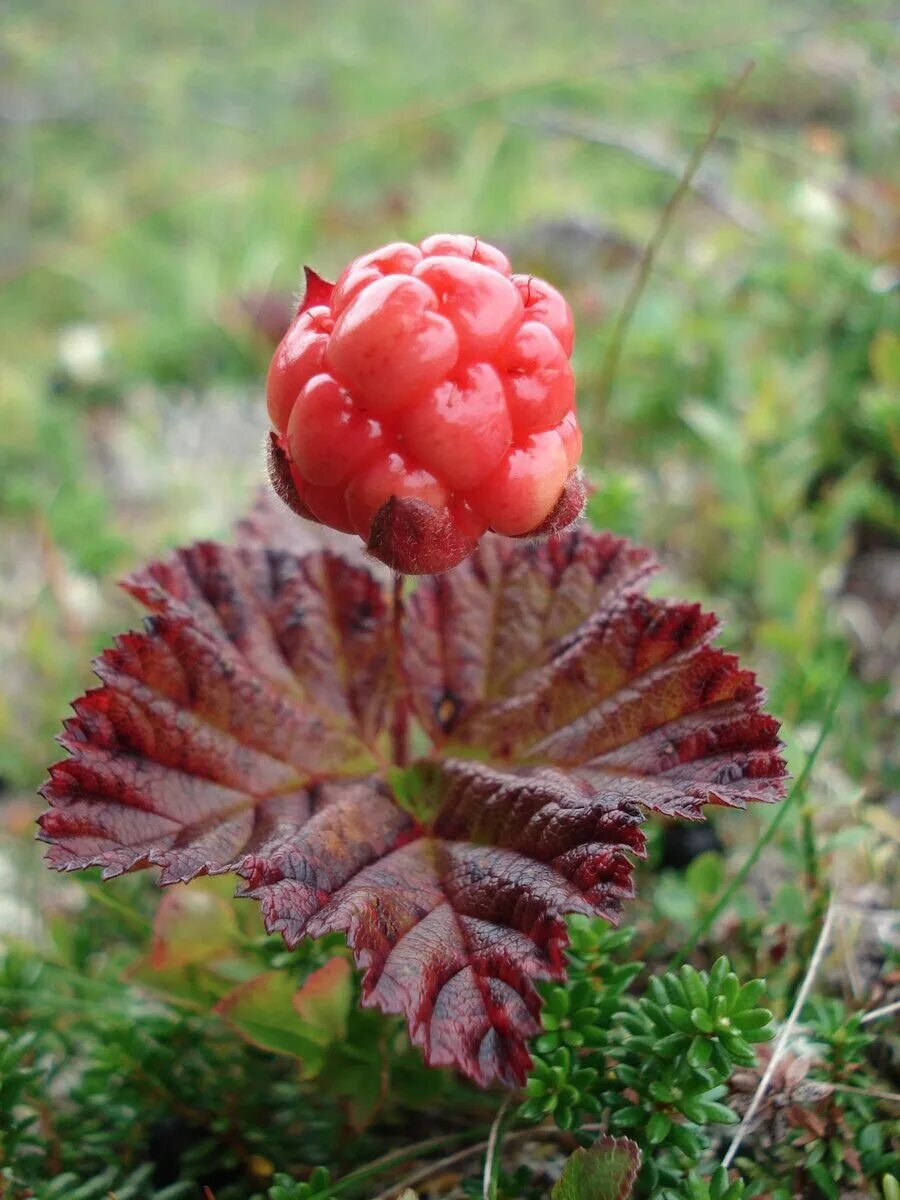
x=771, y=829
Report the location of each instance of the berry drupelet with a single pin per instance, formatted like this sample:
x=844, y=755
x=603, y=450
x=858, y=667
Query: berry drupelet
x=425, y=398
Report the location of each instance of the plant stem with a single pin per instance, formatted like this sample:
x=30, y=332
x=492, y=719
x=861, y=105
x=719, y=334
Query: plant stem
x=492, y=1156
x=520, y=1135
x=872, y=1093
x=769, y=832
x=810, y=852
x=613, y=355
x=399, y=741
x=885, y=1011
x=391, y=1159
x=784, y=1036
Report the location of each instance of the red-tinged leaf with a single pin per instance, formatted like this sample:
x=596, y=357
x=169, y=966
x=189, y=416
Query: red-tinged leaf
x=198, y=986
x=245, y=731
x=323, y=1002
x=484, y=631
x=605, y=1171
x=550, y=657
x=216, y=729
x=271, y=1013
x=269, y=526
x=191, y=927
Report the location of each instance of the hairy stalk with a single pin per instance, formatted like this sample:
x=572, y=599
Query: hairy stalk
x=399, y=716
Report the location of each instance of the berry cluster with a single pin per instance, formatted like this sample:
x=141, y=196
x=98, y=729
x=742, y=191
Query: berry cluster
x=424, y=398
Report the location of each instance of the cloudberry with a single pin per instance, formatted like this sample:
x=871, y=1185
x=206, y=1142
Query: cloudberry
x=425, y=398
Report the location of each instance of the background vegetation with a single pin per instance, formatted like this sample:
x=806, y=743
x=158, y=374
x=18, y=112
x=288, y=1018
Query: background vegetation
x=166, y=170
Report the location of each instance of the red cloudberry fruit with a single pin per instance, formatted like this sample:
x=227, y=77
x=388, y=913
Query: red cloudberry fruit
x=424, y=398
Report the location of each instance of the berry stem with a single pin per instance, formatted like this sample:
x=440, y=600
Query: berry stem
x=399, y=741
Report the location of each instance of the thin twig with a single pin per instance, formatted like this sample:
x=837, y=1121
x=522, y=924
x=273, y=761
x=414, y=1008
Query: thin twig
x=784, y=1034
x=623, y=320
x=763, y=840
x=884, y=1011
x=651, y=151
x=872, y=1093
x=394, y=1158
x=492, y=1155
x=519, y=1135
x=434, y=1168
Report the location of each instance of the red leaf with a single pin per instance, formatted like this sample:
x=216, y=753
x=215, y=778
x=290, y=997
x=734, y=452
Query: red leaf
x=548, y=655
x=247, y=730
x=214, y=730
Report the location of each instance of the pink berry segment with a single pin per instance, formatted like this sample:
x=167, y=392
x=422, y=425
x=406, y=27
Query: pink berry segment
x=424, y=398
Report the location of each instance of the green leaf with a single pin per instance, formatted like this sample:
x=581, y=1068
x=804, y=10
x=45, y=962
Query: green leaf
x=824, y=1180
x=534, y=1110
x=323, y=1002
x=416, y=790
x=268, y=1011
x=699, y=1053
x=680, y=1018
x=706, y=875
x=194, y=926
x=658, y=1128
x=749, y=994
x=694, y=987
x=605, y=1171
x=671, y=1046
x=703, y=1021
x=686, y=1141
x=752, y=1018
x=198, y=986
x=718, y=1114
x=720, y=971
x=759, y=1035
x=628, y=1118
x=693, y=1109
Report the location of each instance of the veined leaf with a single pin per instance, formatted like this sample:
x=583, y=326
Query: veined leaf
x=249, y=729
x=605, y=1171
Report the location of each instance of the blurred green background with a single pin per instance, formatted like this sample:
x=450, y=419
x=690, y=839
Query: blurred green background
x=167, y=169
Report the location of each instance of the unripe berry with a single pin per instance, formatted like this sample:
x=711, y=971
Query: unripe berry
x=426, y=397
